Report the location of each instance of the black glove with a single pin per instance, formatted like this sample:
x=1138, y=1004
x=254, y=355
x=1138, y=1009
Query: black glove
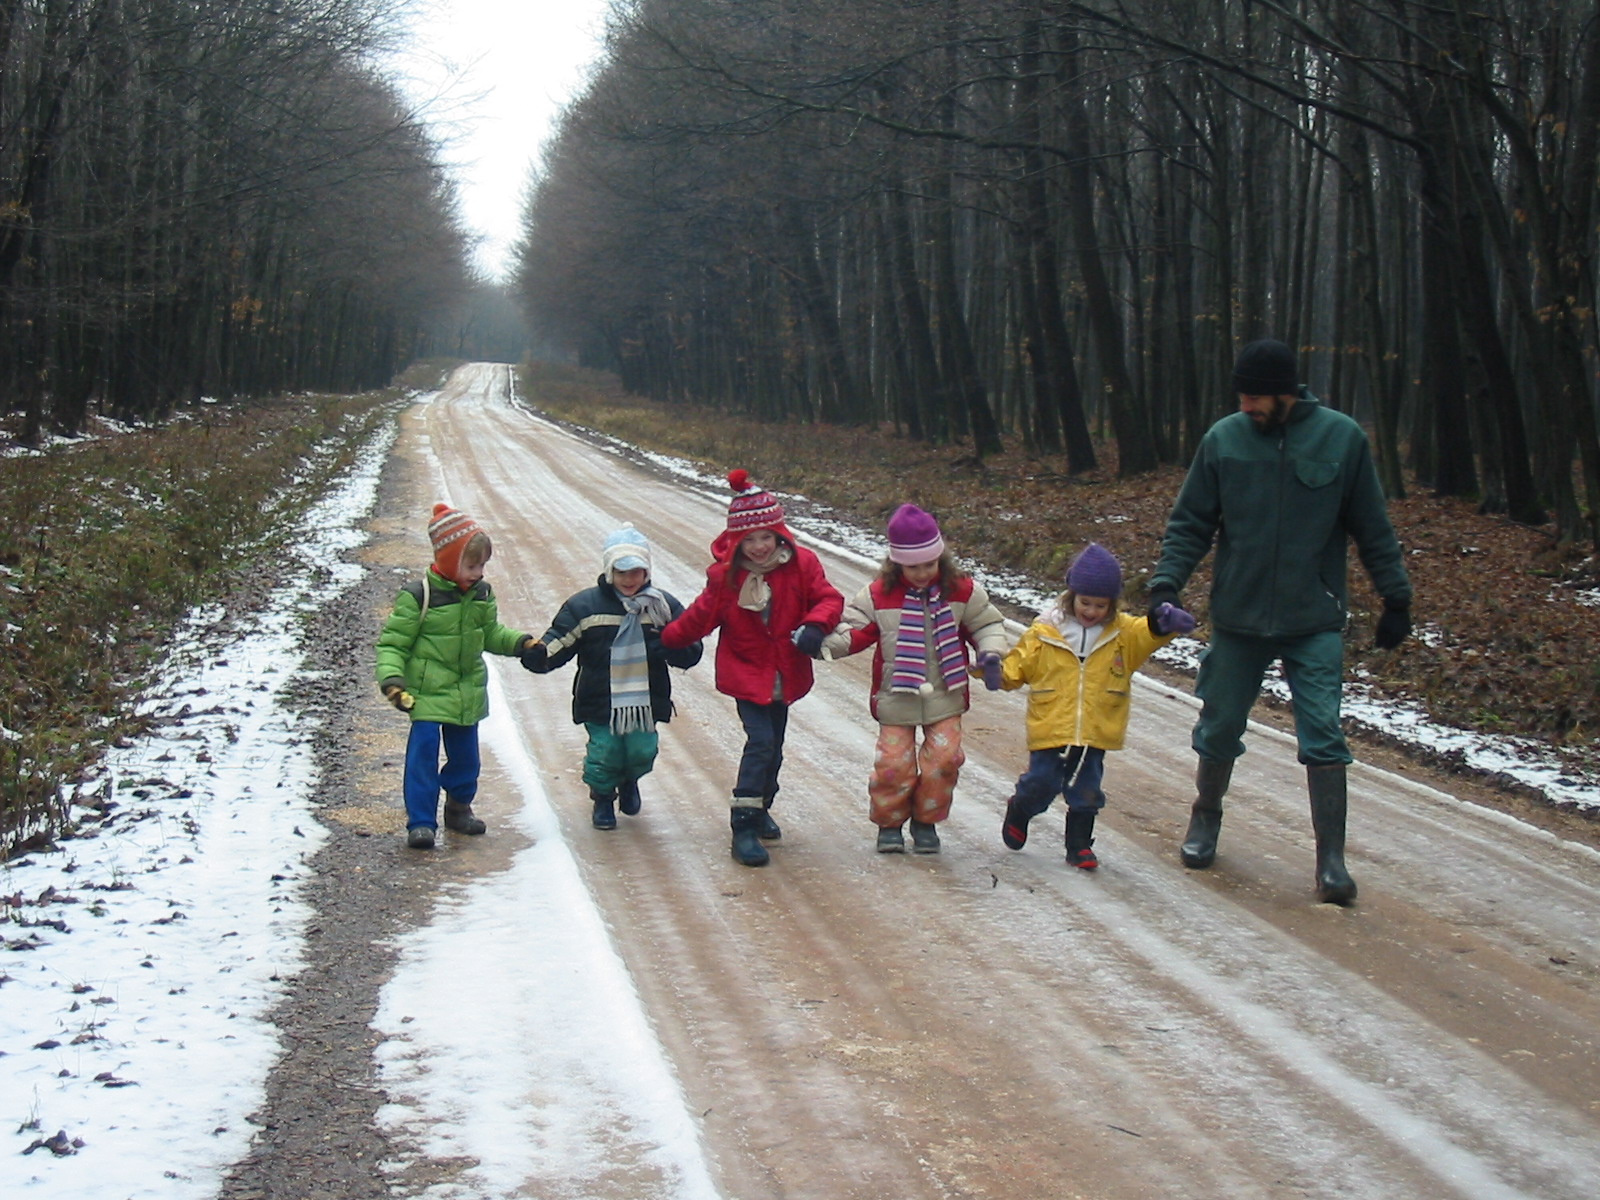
x=808, y=640
x=1394, y=626
x=1159, y=598
x=534, y=656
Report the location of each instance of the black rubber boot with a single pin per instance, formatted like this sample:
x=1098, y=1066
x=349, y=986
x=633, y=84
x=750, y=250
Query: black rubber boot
x=458, y=818
x=767, y=830
x=747, y=847
x=1327, y=788
x=924, y=837
x=628, y=799
x=1080, y=840
x=1014, y=829
x=604, y=816
x=1199, y=848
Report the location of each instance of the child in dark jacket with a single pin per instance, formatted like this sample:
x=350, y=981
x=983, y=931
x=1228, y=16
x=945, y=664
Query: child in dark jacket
x=622, y=690
x=430, y=665
x=773, y=604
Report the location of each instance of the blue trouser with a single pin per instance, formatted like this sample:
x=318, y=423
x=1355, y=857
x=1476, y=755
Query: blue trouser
x=1076, y=771
x=1229, y=684
x=423, y=778
x=764, y=727
x=617, y=758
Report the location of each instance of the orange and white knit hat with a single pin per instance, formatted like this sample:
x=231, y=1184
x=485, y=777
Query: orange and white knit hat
x=450, y=530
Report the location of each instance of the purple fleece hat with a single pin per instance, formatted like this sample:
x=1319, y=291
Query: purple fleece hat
x=1095, y=572
x=913, y=536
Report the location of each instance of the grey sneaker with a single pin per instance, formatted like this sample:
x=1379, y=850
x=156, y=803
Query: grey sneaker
x=891, y=841
x=924, y=838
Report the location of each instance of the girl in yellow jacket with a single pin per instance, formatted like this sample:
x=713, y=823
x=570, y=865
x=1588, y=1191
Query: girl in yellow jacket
x=1078, y=660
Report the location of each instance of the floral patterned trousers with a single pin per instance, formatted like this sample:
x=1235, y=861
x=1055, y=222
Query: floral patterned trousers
x=912, y=781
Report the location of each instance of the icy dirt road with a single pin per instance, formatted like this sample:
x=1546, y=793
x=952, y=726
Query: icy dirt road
x=985, y=1023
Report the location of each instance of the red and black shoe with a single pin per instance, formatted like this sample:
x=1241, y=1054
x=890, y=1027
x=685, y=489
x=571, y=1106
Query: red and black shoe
x=1080, y=840
x=1014, y=831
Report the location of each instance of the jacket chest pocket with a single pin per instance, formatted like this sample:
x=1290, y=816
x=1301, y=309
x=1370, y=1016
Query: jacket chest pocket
x=1315, y=473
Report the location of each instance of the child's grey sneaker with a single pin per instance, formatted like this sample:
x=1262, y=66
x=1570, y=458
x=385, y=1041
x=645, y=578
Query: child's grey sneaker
x=891, y=841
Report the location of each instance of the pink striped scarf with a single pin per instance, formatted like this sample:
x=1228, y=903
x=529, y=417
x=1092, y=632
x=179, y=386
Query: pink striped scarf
x=925, y=611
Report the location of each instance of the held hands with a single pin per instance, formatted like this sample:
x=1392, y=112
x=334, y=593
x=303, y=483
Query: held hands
x=534, y=654
x=1394, y=626
x=397, y=695
x=989, y=664
x=1169, y=618
x=1161, y=598
x=808, y=640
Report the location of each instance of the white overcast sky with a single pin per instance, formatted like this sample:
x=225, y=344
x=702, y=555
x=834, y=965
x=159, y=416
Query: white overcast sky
x=493, y=75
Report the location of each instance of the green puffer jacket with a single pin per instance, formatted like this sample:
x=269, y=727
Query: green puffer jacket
x=1280, y=504
x=439, y=653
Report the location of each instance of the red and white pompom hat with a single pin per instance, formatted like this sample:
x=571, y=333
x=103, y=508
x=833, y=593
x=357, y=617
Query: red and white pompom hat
x=751, y=507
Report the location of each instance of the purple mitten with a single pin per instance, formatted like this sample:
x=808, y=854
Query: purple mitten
x=1172, y=619
x=989, y=664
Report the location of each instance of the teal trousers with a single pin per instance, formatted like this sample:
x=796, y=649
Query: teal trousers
x=617, y=758
x=1229, y=684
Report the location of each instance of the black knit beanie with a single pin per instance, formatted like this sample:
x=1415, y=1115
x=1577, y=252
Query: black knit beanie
x=1266, y=368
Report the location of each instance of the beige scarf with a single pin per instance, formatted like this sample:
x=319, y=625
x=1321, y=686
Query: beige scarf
x=755, y=593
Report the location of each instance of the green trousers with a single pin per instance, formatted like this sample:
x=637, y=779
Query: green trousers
x=616, y=758
x=1230, y=683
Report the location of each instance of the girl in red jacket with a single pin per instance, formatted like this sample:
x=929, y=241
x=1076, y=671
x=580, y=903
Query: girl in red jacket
x=774, y=605
x=920, y=616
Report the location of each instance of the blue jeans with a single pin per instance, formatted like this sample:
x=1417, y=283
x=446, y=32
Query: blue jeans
x=423, y=778
x=1229, y=684
x=764, y=727
x=1076, y=771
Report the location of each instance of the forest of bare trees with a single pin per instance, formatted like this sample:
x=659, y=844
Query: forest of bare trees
x=209, y=198
x=981, y=217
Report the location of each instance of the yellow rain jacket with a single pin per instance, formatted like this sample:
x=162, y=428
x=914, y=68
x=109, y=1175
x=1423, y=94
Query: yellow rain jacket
x=1073, y=701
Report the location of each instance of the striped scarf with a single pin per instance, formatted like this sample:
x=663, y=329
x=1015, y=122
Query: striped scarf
x=630, y=667
x=924, y=608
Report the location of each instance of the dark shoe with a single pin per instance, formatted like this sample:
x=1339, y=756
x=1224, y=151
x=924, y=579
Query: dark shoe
x=1014, y=830
x=891, y=841
x=924, y=838
x=1328, y=805
x=747, y=848
x=768, y=830
x=1080, y=840
x=458, y=818
x=604, y=817
x=1211, y=780
x=420, y=837
x=628, y=799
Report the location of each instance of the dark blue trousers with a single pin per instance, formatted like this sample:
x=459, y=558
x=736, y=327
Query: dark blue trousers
x=1076, y=771
x=764, y=728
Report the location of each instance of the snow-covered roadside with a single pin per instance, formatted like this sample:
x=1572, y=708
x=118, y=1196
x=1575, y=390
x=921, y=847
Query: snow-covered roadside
x=142, y=958
x=1522, y=760
x=516, y=1038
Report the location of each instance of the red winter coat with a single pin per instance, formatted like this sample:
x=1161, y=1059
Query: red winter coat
x=753, y=653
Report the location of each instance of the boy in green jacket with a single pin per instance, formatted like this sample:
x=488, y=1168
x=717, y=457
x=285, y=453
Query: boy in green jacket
x=430, y=665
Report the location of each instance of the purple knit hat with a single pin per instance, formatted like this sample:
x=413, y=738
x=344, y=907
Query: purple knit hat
x=1095, y=572
x=913, y=536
